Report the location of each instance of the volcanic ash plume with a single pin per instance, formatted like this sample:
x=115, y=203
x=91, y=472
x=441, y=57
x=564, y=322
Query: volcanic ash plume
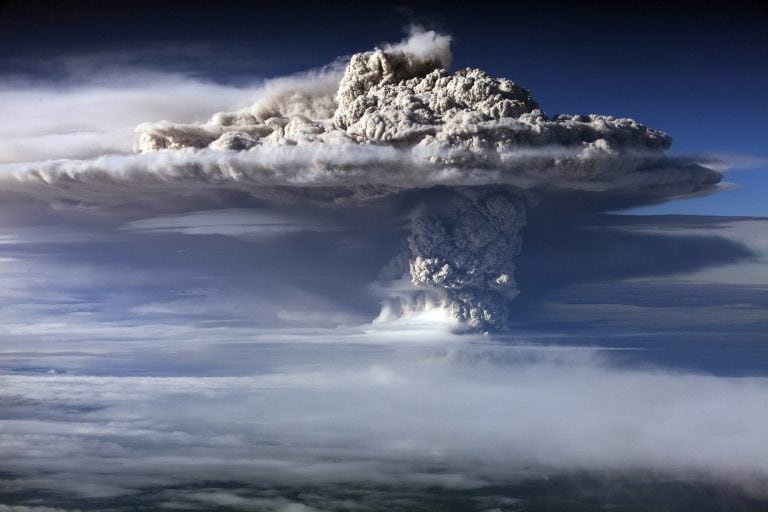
x=397, y=123
x=467, y=249
x=439, y=121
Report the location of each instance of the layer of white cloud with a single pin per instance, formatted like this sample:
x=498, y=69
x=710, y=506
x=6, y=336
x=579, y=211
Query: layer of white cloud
x=479, y=415
x=84, y=120
x=240, y=223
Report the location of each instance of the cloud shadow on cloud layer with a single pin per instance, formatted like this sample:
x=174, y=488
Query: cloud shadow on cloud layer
x=564, y=249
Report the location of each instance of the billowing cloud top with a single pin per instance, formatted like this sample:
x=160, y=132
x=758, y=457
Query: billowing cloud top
x=463, y=128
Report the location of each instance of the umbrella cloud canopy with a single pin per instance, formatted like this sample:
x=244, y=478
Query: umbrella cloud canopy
x=463, y=128
x=393, y=123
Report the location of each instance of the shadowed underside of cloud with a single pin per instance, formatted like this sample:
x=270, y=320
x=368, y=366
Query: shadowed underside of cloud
x=394, y=123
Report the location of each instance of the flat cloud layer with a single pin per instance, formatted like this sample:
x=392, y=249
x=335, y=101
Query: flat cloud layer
x=458, y=417
x=395, y=121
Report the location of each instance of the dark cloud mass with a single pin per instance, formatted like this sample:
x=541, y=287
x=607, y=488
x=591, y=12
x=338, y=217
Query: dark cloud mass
x=393, y=122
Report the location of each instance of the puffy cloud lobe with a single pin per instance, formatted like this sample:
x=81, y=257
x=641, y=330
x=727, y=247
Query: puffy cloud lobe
x=410, y=101
x=468, y=250
x=463, y=128
x=308, y=95
x=395, y=120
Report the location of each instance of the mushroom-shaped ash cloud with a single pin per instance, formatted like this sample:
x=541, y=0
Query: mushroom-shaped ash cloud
x=397, y=122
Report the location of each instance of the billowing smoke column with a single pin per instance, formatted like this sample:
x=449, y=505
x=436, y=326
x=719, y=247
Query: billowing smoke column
x=397, y=120
x=468, y=250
